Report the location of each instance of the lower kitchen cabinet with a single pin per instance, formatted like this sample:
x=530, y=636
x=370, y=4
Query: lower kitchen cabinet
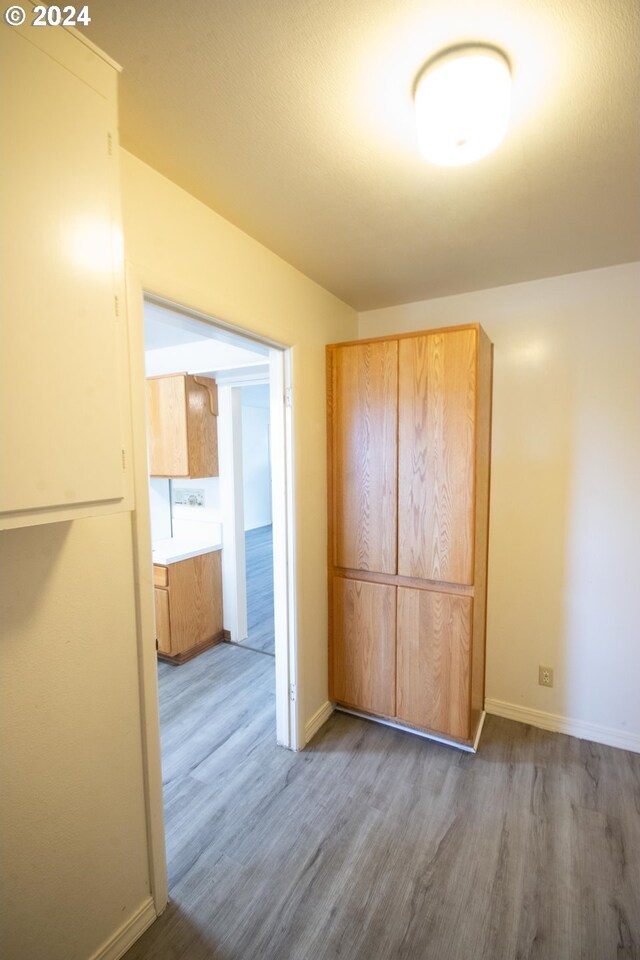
x=188, y=606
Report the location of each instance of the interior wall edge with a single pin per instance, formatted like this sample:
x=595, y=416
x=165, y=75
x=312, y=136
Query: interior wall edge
x=318, y=720
x=130, y=931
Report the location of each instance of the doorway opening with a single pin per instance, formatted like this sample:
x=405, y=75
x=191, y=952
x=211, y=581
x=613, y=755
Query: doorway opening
x=257, y=512
x=247, y=507
x=222, y=547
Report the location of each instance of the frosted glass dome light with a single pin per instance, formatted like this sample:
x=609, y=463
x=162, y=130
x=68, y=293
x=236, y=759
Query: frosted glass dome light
x=462, y=100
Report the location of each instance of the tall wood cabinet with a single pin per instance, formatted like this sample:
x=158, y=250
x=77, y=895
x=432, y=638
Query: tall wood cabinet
x=409, y=436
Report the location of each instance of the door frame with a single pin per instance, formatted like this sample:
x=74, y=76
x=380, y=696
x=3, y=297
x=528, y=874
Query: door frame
x=289, y=732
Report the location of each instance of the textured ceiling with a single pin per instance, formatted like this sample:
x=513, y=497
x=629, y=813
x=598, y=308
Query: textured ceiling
x=293, y=119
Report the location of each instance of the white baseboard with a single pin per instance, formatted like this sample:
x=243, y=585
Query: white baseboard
x=118, y=944
x=318, y=720
x=574, y=728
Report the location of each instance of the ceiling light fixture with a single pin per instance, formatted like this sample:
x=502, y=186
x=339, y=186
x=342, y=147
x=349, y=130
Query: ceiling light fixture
x=462, y=99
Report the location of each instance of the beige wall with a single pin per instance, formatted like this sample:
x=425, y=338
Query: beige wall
x=565, y=504
x=74, y=857
x=75, y=834
x=184, y=251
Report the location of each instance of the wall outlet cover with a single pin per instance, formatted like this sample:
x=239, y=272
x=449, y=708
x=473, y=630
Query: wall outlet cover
x=545, y=676
x=188, y=497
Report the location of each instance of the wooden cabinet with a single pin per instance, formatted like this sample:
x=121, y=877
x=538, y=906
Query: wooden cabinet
x=188, y=606
x=409, y=433
x=364, y=483
x=163, y=622
x=182, y=426
x=434, y=664
x=363, y=654
x=436, y=455
x=64, y=393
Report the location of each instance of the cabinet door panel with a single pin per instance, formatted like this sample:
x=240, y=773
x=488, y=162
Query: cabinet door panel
x=62, y=386
x=196, y=601
x=167, y=426
x=202, y=425
x=364, y=384
x=163, y=628
x=434, y=644
x=437, y=410
x=363, y=645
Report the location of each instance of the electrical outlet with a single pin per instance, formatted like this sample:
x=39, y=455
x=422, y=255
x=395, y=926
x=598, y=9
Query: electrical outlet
x=545, y=676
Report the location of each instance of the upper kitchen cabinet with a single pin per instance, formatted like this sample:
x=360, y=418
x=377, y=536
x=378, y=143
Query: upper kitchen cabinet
x=64, y=393
x=182, y=417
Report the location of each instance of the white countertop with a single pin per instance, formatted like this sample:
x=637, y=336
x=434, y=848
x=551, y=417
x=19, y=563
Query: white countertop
x=172, y=550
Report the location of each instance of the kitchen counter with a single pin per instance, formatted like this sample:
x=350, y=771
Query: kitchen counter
x=172, y=549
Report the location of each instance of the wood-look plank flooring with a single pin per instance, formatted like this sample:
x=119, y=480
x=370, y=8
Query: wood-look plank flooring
x=373, y=844
x=259, y=566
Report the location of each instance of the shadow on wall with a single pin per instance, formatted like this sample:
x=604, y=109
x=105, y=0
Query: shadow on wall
x=39, y=552
x=565, y=519
x=530, y=496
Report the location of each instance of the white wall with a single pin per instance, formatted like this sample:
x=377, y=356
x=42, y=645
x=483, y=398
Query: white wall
x=169, y=518
x=256, y=462
x=565, y=493
x=197, y=521
x=160, y=508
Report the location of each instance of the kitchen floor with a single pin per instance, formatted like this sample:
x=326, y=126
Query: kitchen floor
x=259, y=566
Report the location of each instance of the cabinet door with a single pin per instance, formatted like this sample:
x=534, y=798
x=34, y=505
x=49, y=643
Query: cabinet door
x=202, y=426
x=182, y=426
x=196, y=601
x=167, y=426
x=434, y=673
x=436, y=456
x=363, y=425
x=63, y=392
x=163, y=622
x=364, y=645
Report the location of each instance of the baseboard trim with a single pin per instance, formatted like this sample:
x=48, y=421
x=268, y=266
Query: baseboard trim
x=318, y=720
x=124, y=938
x=609, y=736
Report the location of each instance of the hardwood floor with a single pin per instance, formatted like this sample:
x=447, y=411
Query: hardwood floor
x=259, y=565
x=373, y=844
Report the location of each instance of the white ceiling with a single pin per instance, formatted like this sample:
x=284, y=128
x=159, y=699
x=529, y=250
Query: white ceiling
x=175, y=341
x=293, y=119
x=165, y=328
